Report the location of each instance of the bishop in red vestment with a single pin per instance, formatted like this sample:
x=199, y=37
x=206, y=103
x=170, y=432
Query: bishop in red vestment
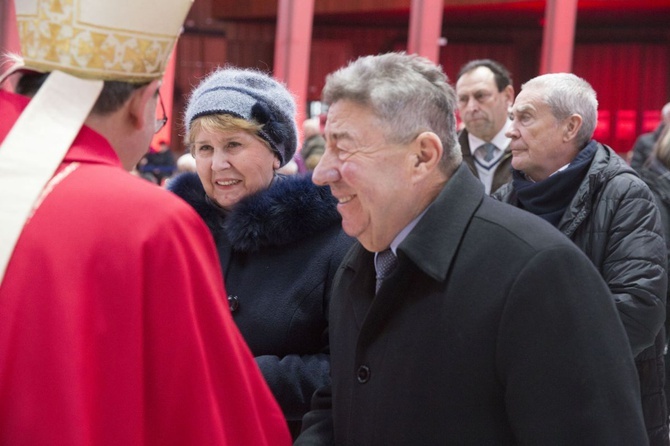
x=114, y=328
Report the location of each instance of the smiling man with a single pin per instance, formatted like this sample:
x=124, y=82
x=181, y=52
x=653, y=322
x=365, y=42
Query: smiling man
x=591, y=195
x=423, y=353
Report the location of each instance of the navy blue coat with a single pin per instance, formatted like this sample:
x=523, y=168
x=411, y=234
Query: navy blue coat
x=279, y=250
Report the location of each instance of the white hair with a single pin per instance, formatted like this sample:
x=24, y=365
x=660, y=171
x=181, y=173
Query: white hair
x=567, y=94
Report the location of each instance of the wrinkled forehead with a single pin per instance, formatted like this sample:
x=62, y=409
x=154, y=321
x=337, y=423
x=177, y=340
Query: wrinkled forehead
x=351, y=121
x=530, y=99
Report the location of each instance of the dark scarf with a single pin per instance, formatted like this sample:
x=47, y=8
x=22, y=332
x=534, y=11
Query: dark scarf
x=550, y=198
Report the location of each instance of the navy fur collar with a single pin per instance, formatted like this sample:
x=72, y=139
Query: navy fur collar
x=292, y=208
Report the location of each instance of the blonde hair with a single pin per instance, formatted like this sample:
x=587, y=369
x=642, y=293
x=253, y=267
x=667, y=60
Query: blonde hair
x=223, y=123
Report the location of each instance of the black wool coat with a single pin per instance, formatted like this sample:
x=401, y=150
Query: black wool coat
x=484, y=334
x=279, y=250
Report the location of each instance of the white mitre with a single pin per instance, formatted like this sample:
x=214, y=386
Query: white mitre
x=122, y=40
x=82, y=43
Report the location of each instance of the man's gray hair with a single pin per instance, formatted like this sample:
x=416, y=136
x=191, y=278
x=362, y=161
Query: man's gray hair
x=408, y=94
x=665, y=113
x=567, y=94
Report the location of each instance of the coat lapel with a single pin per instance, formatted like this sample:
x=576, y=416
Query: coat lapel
x=444, y=225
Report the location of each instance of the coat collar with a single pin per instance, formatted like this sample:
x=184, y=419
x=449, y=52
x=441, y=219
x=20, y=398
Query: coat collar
x=451, y=211
x=606, y=165
x=425, y=248
x=291, y=209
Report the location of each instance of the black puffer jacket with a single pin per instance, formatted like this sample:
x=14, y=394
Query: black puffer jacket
x=657, y=177
x=279, y=250
x=613, y=218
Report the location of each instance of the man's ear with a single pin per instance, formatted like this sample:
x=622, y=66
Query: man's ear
x=141, y=105
x=509, y=94
x=427, y=152
x=572, y=125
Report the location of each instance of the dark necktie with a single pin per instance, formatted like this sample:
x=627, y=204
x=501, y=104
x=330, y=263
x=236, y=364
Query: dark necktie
x=488, y=150
x=385, y=262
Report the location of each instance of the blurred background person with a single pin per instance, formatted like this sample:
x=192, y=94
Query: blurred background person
x=485, y=92
x=279, y=237
x=158, y=164
x=185, y=163
x=313, y=144
x=656, y=173
x=645, y=142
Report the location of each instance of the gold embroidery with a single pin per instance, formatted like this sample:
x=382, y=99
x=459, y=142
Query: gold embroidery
x=55, y=38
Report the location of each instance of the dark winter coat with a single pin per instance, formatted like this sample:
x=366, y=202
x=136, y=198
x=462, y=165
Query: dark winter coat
x=614, y=220
x=279, y=250
x=503, y=172
x=657, y=177
x=644, y=145
x=480, y=336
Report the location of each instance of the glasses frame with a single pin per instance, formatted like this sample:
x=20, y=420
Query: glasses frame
x=160, y=122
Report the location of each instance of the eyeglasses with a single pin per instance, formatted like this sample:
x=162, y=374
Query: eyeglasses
x=160, y=122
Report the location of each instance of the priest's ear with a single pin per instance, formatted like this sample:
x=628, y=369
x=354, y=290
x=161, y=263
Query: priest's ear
x=142, y=105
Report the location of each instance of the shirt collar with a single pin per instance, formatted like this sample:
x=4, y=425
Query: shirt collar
x=402, y=235
x=500, y=140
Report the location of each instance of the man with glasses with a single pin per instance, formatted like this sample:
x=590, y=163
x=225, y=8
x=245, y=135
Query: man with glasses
x=114, y=327
x=158, y=164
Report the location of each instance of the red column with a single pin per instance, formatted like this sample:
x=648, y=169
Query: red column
x=9, y=33
x=559, y=36
x=167, y=95
x=425, y=28
x=292, y=46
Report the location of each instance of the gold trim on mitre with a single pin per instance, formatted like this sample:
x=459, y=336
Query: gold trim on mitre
x=121, y=40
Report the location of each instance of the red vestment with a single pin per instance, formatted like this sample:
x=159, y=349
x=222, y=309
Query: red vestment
x=114, y=328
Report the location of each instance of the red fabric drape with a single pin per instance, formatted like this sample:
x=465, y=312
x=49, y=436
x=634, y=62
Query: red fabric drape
x=631, y=83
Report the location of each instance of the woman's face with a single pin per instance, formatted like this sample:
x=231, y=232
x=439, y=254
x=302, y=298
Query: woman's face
x=232, y=164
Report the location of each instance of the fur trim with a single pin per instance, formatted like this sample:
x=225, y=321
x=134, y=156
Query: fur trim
x=188, y=186
x=291, y=209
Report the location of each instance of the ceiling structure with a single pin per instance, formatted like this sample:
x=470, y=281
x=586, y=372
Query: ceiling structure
x=530, y=13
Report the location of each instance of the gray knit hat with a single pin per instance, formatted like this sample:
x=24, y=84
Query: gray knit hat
x=251, y=95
